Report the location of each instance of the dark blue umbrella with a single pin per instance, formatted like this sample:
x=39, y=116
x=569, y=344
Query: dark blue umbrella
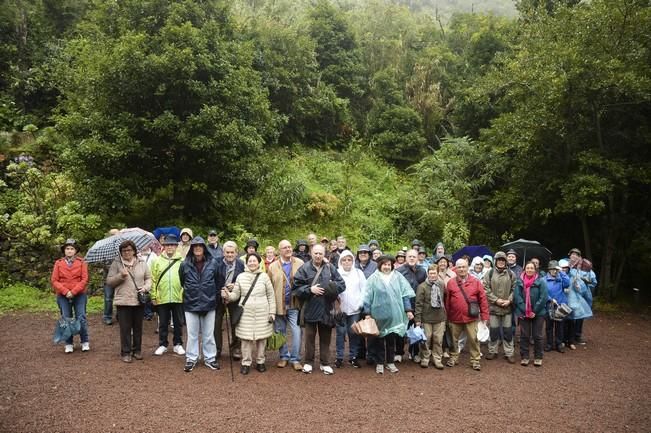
x=160, y=231
x=472, y=251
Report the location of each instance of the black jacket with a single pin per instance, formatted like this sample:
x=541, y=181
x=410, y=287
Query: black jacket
x=315, y=308
x=199, y=288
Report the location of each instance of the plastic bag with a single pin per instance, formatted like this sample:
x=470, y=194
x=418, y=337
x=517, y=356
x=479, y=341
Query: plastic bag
x=65, y=328
x=483, y=334
x=276, y=341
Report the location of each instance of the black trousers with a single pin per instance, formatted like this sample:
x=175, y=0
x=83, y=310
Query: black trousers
x=325, y=335
x=165, y=313
x=554, y=333
x=527, y=328
x=383, y=348
x=130, y=320
x=219, y=324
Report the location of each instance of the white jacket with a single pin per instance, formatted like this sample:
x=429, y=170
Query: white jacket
x=352, y=299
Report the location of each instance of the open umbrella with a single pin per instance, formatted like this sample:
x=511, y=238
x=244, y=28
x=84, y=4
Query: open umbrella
x=164, y=231
x=472, y=251
x=106, y=249
x=526, y=250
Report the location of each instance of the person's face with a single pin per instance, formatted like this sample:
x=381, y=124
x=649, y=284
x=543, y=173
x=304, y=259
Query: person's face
x=341, y=243
x=500, y=263
x=347, y=263
x=536, y=263
x=553, y=272
x=285, y=250
x=170, y=249
x=301, y=248
x=479, y=267
x=412, y=257
x=229, y=254
x=127, y=253
x=443, y=265
x=574, y=256
x=487, y=264
x=213, y=239
x=197, y=251
x=311, y=239
x=69, y=251
x=364, y=256
x=415, y=247
x=317, y=255
x=462, y=269
x=432, y=275
x=252, y=263
x=270, y=252
x=510, y=259
x=440, y=250
x=530, y=269
x=376, y=254
x=185, y=237
x=385, y=268
x=250, y=249
x=421, y=257
x=566, y=269
x=333, y=245
x=400, y=259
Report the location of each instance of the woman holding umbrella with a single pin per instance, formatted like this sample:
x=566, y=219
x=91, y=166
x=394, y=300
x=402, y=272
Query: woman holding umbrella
x=69, y=279
x=129, y=275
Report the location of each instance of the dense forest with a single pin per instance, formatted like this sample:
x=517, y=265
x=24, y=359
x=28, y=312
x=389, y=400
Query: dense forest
x=392, y=120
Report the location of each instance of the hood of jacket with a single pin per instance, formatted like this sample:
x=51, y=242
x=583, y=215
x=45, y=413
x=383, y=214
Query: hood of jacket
x=475, y=261
x=199, y=241
x=346, y=253
x=188, y=231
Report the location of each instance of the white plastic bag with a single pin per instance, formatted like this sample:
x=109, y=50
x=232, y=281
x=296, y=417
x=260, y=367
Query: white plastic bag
x=483, y=334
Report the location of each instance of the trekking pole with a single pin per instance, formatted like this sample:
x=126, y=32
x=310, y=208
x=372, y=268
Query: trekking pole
x=228, y=340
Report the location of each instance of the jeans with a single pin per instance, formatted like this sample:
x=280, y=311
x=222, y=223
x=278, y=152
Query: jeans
x=130, y=320
x=353, y=339
x=79, y=304
x=527, y=328
x=203, y=323
x=109, y=292
x=149, y=311
x=292, y=355
x=165, y=312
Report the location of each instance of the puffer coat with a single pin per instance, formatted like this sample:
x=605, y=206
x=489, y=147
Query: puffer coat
x=254, y=324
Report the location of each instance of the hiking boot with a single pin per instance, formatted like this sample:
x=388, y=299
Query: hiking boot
x=213, y=365
x=476, y=366
x=244, y=369
x=560, y=349
x=511, y=359
x=392, y=368
x=417, y=359
x=438, y=365
x=282, y=363
x=160, y=350
x=326, y=369
x=178, y=349
x=450, y=362
x=424, y=364
x=355, y=363
x=297, y=366
x=537, y=362
x=108, y=322
x=189, y=365
x=69, y=348
x=379, y=369
x=261, y=367
x=524, y=362
x=137, y=356
x=339, y=363
x=490, y=356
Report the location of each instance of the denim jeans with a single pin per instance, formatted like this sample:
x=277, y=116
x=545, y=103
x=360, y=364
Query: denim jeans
x=353, y=339
x=109, y=292
x=79, y=304
x=203, y=323
x=292, y=355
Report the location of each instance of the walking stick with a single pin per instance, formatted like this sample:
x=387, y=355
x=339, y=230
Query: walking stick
x=228, y=340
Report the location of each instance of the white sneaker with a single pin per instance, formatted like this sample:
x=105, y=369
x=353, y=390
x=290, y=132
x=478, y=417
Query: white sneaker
x=326, y=369
x=160, y=350
x=379, y=369
x=417, y=359
x=307, y=368
x=69, y=348
x=178, y=349
x=392, y=368
x=85, y=347
x=397, y=358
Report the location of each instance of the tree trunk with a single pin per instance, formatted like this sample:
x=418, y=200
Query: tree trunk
x=586, y=237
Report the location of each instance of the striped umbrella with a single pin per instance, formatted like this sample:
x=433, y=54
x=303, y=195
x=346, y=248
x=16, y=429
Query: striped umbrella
x=105, y=250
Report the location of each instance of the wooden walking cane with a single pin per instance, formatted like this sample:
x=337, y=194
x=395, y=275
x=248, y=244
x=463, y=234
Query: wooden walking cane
x=228, y=338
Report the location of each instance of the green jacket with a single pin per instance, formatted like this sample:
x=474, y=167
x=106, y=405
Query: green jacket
x=168, y=289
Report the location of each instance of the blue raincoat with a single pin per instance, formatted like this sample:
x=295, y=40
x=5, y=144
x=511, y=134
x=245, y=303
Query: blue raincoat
x=579, y=296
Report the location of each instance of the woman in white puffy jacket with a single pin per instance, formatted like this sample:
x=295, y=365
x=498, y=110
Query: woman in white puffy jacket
x=351, y=301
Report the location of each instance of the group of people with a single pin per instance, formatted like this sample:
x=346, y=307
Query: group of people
x=306, y=290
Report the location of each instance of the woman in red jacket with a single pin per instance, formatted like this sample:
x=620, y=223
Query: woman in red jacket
x=69, y=280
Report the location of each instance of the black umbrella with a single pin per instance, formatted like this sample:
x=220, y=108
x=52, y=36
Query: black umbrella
x=527, y=250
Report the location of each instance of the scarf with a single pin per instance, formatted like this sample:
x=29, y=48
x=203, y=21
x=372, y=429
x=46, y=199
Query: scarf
x=528, y=282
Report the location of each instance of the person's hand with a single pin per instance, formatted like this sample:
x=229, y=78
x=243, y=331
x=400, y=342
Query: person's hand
x=70, y=295
x=506, y=303
x=272, y=318
x=410, y=315
x=225, y=293
x=124, y=273
x=317, y=290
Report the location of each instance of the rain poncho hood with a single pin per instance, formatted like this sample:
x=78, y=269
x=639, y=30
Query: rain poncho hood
x=477, y=261
x=353, y=297
x=385, y=302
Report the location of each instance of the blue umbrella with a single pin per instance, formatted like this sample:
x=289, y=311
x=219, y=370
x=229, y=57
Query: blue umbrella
x=472, y=251
x=172, y=230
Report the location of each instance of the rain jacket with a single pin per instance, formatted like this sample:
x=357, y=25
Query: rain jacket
x=126, y=293
x=579, y=296
x=74, y=278
x=425, y=313
x=166, y=288
x=278, y=280
x=537, y=294
x=367, y=269
x=455, y=302
x=199, y=288
x=315, y=308
x=388, y=303
x=499, y=285
x=254, y=324
x=352, y=299
x=556, y=287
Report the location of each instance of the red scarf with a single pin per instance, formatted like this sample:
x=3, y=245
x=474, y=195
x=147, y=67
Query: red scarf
x=528, y=282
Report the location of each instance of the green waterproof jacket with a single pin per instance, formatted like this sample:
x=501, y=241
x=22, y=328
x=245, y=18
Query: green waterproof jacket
x=166, y=285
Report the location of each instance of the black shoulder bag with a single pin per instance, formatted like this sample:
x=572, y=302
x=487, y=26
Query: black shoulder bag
x=239, y=309
x=473, y=306
x=143, y=297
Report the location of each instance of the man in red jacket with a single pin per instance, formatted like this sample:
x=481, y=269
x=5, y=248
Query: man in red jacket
x=466, y=304
x=69, y=280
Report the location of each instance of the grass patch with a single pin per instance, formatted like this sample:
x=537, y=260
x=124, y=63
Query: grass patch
x=21, y=297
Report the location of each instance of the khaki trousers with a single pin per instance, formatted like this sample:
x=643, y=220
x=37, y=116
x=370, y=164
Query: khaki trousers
x=433, y=345
x=472, y=342
x=247, y=351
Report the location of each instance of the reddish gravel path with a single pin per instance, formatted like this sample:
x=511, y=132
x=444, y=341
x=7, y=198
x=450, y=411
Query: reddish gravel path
x=601, y=387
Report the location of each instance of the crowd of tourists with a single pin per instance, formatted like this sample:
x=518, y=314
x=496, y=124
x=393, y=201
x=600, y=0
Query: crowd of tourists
x=306, y=290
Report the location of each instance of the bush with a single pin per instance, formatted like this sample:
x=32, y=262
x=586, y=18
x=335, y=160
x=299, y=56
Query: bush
x=21, y=297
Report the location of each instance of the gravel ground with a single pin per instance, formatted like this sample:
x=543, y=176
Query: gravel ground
x=601, y=387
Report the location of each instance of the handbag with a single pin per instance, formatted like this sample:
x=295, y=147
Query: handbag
x=239, y=309
x=143, y=297
x=276, y=341
x=473, y=306
x=366, y=328
x=65, y=328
